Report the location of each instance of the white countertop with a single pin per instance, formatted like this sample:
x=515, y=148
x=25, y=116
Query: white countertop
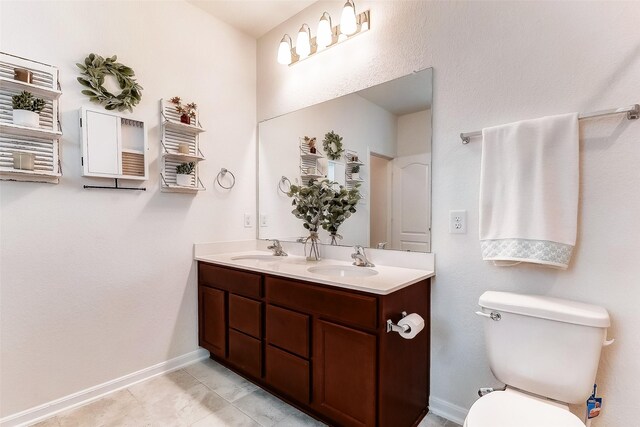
x=388, y=280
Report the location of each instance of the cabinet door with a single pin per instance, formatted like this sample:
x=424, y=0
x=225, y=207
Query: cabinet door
x=102, y=144
x=212, y=321
x=344, y=374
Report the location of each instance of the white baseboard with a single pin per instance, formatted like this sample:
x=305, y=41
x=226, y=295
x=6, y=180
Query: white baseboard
x=447, y=410
x=42, y=412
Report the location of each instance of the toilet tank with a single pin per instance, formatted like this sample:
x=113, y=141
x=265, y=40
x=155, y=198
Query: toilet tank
x=546, y=346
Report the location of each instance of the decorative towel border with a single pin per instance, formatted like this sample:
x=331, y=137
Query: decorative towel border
x=524, y=250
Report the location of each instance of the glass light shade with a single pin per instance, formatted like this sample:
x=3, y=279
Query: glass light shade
x=348, y=24
x=324, y=37
x=364, y=26
x=303, y=43
x=284, y=52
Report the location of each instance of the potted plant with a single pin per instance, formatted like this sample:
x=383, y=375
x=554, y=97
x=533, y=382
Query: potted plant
x=183, y=174
x=26, y=109
x=311, y=142
x=310, y=203
x=340, y=207
x=187, y=111
x=355, y=172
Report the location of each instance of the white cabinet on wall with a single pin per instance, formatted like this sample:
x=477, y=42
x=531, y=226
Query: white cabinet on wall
x=39, y=146
x=113, y=146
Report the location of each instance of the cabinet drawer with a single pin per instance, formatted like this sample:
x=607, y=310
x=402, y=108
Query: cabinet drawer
x=235, y=281
x=245, y=353
x=288, y=330
x=288, y=373
x=356, y=309
x=245, y=315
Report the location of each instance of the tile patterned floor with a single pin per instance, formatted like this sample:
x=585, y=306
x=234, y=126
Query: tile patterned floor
x=204, y=394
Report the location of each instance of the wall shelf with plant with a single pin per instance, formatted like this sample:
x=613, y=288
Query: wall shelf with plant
x=29, y=121
x=180, y=146
x=309, y=156
x=353, y=169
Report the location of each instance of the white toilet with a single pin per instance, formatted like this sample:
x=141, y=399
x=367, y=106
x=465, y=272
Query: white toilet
x=546, y=351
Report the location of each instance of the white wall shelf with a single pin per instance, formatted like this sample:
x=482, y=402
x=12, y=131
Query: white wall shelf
x=174, y=134
x=37, y=90
x=42, y=142
x=11, y=129
x=351, y=162
x=309, y=160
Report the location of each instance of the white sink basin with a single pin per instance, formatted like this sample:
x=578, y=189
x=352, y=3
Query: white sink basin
x=342, y=271
x=257, y=258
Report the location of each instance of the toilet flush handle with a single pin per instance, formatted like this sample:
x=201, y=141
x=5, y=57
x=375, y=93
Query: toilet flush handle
x=607, y=342
x=493, y=316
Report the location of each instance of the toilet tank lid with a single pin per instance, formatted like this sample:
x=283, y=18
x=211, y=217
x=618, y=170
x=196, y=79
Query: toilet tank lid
x=557, y=309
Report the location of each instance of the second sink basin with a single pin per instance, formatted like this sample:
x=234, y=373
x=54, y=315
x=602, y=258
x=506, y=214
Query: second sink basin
x=342, y=271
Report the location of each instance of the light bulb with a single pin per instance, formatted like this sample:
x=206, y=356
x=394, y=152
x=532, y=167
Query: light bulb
x=325, y=34
x=284, y=51
x=303, y=42
x=348, y=24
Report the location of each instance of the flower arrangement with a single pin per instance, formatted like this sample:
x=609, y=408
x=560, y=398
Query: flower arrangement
x=321, y=205
x=186, y=111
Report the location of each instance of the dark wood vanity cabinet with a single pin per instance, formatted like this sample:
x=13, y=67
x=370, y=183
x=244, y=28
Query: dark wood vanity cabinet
x=323, y=349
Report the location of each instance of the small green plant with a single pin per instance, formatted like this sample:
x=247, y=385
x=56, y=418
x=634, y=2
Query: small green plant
x=26, y=101
x=355, y=169
x=185, y=168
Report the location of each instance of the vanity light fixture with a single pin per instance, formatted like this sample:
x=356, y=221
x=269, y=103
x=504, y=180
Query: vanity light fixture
x=284, y=50
x=303, y=42
x=325, y=31
x=351, y=24
x=348, y=21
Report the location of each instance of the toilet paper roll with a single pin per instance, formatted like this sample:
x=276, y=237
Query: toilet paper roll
x=415, y=323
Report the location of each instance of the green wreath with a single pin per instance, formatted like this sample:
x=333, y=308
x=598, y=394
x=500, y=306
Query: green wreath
x=332, y=144
x=94, y=70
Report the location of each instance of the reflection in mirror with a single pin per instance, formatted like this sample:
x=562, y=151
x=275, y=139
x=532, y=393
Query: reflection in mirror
x=385, y=152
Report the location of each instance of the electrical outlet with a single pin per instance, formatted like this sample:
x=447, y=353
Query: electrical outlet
x=248, y=220
x=264, y=220
x=458, y=222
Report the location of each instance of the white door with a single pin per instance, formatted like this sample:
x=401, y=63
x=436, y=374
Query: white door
x=410, y=230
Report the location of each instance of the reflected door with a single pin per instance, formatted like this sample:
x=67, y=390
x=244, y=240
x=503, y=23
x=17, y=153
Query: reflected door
x=411, y=213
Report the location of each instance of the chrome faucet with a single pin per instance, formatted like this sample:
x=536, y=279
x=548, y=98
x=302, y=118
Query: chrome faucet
x=276, y=247
x=360, y=259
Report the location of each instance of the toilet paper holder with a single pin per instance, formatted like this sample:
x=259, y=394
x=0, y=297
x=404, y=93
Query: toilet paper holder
x=392, y=327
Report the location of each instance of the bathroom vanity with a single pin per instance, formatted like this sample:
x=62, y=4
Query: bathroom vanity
x=320, y=343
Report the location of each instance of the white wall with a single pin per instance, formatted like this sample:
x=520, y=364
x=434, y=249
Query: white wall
x=414, y=133
x=98, y=283
x=362, y=124
x=497, y=62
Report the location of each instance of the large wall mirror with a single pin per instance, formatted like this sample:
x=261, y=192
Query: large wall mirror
x=386, y=137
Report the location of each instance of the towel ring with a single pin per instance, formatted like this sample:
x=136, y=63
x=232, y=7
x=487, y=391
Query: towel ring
x=222, y=173
x=284, y=180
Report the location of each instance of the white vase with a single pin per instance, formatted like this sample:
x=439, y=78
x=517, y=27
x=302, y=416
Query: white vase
x=183, y=148
x=183, y=180
x=26, y=118
x=355, y=175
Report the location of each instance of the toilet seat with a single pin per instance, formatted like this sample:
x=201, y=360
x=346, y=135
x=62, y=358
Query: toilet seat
x=512, y=408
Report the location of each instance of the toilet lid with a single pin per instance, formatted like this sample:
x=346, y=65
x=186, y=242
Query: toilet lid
x=511, y=408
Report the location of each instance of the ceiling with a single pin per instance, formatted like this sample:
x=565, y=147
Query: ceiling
x=252, y=17
x=406, y=95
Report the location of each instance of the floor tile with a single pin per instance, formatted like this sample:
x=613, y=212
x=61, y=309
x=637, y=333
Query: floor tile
x=221, y=380
x=432, y=420
x=163, y=386
x=228, y=416
x=116, y=409
x=185, y=408
x=265, y=408
x=299, y=419
x=51, y=422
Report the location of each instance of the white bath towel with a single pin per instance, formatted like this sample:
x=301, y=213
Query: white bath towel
x=529, y=191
